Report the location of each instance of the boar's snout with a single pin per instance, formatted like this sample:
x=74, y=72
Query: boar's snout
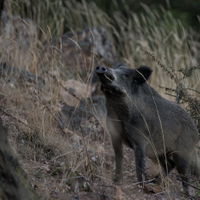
x=100, y=69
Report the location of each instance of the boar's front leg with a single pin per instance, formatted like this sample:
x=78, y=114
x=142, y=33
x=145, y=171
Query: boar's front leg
x=114, y=129
x=117, y=145
x=140, y=162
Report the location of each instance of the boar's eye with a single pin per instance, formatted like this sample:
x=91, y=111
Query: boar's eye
x=125, y=75
x=120, y=65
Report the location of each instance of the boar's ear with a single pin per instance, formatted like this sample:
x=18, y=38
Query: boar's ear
x=142, y=74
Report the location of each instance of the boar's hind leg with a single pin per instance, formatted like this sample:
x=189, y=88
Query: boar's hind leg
x=167, y=168
x=182, y=166
x=170, y=163
x=140, y=162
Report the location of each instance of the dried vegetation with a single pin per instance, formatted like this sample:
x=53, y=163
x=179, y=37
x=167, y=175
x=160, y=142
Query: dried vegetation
x=65, y=161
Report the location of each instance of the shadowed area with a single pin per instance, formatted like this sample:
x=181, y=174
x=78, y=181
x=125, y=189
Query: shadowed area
x=13, y=181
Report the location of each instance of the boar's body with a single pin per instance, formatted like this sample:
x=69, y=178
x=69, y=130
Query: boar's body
x=146, y=122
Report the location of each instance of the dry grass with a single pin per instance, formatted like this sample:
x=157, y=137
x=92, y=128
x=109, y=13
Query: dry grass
x=41, y=144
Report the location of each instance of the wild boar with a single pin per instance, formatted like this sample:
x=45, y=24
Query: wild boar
x=153, y=126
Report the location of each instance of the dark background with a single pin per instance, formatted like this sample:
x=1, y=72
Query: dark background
x=185, y=10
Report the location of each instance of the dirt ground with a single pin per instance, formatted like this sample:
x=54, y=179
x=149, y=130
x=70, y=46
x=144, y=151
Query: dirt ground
x=53, y=176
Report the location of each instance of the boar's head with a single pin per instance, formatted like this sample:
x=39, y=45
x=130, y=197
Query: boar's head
x=121, y=80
